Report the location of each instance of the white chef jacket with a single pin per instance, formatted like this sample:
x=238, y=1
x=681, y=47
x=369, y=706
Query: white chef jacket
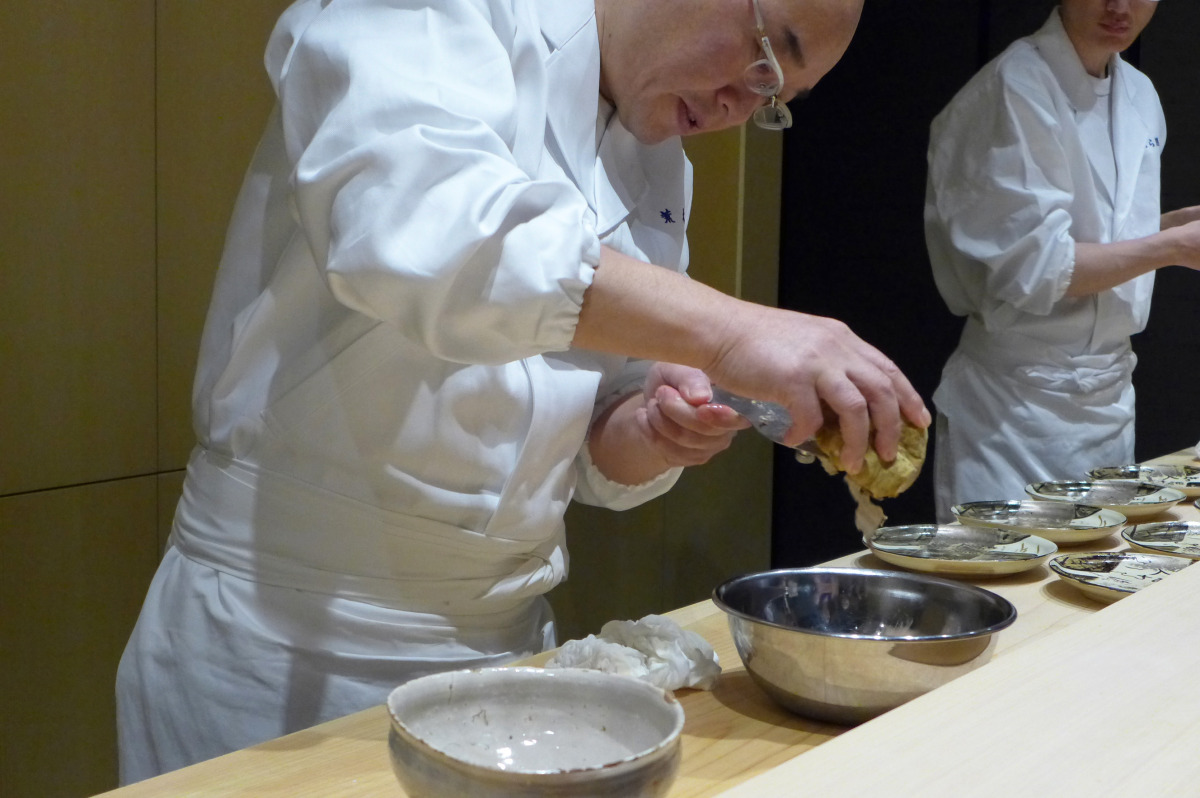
x=1040, y=384
x=390, y=418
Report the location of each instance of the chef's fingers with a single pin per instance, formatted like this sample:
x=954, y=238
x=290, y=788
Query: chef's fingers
x=912, y=406
x=890, y=396
x=678, y=445
x=690, y=424
x=691, y=383
x=847, y=402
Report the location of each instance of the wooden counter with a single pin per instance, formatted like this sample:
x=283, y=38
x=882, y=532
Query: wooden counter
x=1076, y=701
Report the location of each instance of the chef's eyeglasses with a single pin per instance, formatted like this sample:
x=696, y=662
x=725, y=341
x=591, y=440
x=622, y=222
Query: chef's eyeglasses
x=765, y=78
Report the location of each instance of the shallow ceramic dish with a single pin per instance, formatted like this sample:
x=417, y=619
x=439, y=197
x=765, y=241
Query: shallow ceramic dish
x=1059, y=522
x=1134, y=500
x=844, y=645
x=954, y=549
x=1112, y=575
x=1181, y=538
x=1183, y=478
x=530, y=732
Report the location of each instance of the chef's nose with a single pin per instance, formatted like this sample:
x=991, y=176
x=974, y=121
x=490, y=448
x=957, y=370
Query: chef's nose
x=738, y=103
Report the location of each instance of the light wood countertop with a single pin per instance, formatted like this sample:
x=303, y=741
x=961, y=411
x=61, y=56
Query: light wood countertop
x=1073, y=697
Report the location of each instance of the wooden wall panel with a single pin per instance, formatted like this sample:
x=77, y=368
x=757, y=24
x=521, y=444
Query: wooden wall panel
x=74, y=566
x=77, y=253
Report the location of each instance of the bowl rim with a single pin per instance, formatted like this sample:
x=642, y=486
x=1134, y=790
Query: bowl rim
x=612, y=767
x=1010, y=611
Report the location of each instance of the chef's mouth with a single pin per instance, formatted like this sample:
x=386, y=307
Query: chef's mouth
x=689, y=121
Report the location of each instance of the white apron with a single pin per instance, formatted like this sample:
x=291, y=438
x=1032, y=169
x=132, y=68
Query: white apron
x=1040, y=386
x=388, y=408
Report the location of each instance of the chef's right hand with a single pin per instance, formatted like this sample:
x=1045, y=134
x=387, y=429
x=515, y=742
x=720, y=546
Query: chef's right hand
x=810, y=364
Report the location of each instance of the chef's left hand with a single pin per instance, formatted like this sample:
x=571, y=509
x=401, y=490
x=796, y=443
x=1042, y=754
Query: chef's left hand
x=679, y=420
x=670, y=423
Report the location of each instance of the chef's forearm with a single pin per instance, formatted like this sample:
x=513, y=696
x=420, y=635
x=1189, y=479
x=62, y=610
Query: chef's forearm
x=1179, y=216
x=639, y=310
x=1099, y=267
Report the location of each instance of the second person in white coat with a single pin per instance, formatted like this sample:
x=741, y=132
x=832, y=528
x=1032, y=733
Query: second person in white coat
x=1043, y=226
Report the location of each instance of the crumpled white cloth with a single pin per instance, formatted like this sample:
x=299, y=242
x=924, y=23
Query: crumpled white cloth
x=655, y=650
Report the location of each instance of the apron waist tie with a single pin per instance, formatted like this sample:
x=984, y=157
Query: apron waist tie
x=1040, y=365
x=268, y=528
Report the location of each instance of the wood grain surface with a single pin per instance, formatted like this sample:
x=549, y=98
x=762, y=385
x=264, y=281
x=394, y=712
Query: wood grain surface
x=1080, y=698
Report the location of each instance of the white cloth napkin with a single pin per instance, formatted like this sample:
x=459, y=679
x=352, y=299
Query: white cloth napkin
x=655, y=649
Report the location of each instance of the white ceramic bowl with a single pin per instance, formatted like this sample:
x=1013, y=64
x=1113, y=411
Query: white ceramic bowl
x=507, y=732
x=1137, y=501
x=1060, y=522
x=958, y=550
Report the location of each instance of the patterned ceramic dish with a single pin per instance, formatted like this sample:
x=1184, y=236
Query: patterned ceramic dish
x=1134, y=500
x=1181, y=538
x=1059, y=522
x=951, y=549
x=1185, y=478
x=1112, y=575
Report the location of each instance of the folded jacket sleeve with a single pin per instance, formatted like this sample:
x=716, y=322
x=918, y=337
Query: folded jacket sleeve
x=998, y=216
x=416, y=132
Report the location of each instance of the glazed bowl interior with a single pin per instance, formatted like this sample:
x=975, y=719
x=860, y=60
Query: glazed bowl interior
x=529, y=731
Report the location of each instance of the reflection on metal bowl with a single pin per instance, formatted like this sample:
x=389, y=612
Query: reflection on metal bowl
x=845, y=645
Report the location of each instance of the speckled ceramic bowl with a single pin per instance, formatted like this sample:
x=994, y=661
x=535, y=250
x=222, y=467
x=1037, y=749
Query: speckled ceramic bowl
x=528, y=732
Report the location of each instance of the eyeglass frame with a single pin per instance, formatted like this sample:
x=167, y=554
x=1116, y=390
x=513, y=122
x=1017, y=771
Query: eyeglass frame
x=774, y=115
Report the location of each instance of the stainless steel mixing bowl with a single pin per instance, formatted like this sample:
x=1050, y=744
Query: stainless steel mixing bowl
x=844, y=645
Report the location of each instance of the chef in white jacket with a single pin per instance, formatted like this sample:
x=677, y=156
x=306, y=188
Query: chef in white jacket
x=1043, y=227
x=451, y=299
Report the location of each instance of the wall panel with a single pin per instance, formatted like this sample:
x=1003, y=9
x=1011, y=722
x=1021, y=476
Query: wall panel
x=74, y=566
x=77, y=203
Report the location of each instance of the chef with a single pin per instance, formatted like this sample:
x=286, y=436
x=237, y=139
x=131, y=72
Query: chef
x=451, y=300
x=1043, y=227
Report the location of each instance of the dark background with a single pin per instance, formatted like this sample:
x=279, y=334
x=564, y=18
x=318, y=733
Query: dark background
x=852, y=242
